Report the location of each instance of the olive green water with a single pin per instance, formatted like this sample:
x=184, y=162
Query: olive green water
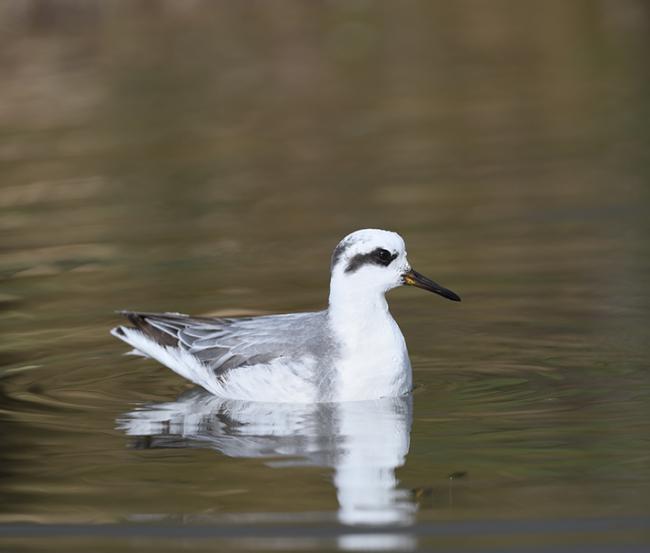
x=206, y=157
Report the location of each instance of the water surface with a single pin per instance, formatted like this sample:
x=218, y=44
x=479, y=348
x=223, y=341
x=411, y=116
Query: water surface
x=207, y=159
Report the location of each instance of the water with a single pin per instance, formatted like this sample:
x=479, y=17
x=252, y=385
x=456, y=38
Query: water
x=207, y=159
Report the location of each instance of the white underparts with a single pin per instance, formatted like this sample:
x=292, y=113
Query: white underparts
x=277, y=381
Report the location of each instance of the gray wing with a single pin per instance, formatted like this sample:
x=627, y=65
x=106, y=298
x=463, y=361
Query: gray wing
x=227, y=343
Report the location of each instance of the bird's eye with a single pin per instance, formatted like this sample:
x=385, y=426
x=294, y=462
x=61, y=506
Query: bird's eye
x=384, y=256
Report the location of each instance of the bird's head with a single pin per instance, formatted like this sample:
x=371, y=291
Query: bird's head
x=374, y=261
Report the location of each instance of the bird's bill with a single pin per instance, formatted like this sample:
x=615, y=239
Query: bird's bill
x=413, y=278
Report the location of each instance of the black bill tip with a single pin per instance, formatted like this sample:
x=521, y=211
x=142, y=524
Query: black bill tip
x=413, y=278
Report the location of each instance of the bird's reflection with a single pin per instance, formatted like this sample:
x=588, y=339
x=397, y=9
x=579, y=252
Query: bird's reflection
x=364, y=442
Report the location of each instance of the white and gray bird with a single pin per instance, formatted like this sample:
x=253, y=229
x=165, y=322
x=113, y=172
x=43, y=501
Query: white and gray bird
x=351, y=351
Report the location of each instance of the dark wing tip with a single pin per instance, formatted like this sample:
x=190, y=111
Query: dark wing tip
x=140, y=322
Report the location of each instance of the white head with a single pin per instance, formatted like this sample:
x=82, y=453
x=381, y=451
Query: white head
x=368, y=263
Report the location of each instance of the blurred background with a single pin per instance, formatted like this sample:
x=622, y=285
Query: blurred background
x=206, y=156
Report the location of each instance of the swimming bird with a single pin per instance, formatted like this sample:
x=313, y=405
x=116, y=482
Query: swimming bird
x=353, y=350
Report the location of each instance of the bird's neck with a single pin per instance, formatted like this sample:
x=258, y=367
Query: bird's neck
x=373, y=360
x=355, y=304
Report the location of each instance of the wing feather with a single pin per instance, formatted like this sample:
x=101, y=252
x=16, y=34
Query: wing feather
x=228, y=343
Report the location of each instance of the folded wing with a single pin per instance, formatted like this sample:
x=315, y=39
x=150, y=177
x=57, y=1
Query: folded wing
x=227, y=343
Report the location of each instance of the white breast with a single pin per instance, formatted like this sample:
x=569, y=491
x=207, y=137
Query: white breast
x=374, y=361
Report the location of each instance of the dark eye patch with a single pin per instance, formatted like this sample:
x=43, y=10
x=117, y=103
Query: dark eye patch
x=378, y=256
x=383, y=256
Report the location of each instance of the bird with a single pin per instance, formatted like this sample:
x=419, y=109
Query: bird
x=351, y=351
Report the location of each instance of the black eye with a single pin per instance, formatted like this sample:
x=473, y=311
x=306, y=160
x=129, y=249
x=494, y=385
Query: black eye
x=383, y=256
x=379, y=256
